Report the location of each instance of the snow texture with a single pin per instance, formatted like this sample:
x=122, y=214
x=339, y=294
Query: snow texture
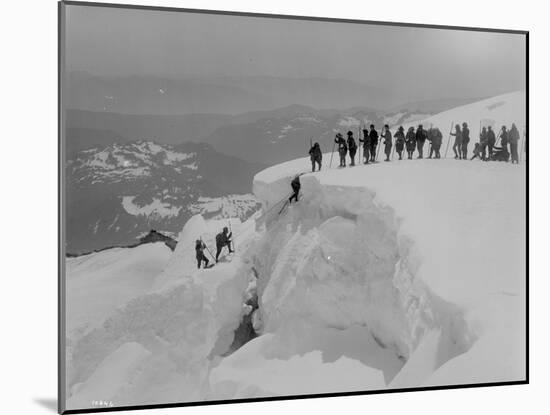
x=390, y=275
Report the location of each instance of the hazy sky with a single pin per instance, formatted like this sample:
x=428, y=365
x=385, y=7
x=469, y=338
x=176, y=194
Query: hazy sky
x=426, y=63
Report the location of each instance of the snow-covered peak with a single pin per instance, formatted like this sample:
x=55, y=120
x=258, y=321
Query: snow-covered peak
x=496, y=111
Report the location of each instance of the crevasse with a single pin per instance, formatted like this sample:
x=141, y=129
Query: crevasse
x=336, y=276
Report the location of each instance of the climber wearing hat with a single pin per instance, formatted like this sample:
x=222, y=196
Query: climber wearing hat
x=223, y=239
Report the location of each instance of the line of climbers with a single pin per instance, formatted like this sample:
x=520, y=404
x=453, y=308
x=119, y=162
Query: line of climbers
x=486, y=149
x=415, y=140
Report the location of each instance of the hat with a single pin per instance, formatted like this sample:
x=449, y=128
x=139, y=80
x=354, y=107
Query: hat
x=350, y=133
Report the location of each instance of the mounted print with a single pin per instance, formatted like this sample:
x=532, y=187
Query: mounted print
x=259, y=207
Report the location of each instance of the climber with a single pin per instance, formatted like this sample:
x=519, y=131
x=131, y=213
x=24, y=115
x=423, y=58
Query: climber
x=342, y=149
x=513, y=138
x=200, y=246
x=478, y=151
x=223, y=239
x=296, y=185
x=366, y=146
x=316, y=156
x=352, y=147
x=373, y=138
x=435, y=137
x=399, y=141
x=410, y=142
x=421, y=137
x=465, y=140
x=386, y=135
x=457, y=146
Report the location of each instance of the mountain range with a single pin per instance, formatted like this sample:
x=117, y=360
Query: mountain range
x=264, y=137
x=145, y=95
x=117, y=193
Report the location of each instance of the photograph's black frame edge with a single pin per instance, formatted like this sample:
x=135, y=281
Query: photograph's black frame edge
x=287, y=16
x=61, y=228
x=61, y=329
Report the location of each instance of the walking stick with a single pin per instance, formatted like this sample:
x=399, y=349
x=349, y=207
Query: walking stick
x=232, y=236
x=449, y=140
x=378, y=150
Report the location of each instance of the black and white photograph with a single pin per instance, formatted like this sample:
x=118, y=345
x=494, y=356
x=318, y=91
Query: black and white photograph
x=263, y=206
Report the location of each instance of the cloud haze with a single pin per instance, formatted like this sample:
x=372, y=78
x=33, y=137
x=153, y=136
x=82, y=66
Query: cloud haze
x=412, y=63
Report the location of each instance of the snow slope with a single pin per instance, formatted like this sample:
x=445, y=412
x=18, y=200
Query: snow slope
x=157, y=345
x=427, y=255
x=99, y=282
x=496, y=111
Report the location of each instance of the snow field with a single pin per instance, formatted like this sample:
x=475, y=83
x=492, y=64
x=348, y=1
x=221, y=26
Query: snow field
x=390, y=275
x=184, y=319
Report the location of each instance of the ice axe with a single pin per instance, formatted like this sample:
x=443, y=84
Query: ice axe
x=232, y=236
x=449, y=140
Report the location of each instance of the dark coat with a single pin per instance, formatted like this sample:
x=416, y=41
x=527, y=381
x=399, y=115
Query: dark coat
x=223, y=238
x=399, y=140
x=435, y=137
x=483, y=139
x=295, y=183
x=352, y=146
x=410, y=140
x=513, y=136
x=342, y=147
x=465, y=135
x=315, y=153
x=458, y=136
x=366, y=138
x=373, y=137
x=387, y=140
x=199, y=249
x=421, y=135
x=504, y=138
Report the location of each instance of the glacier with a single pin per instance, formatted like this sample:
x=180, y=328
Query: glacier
x=392, y=275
